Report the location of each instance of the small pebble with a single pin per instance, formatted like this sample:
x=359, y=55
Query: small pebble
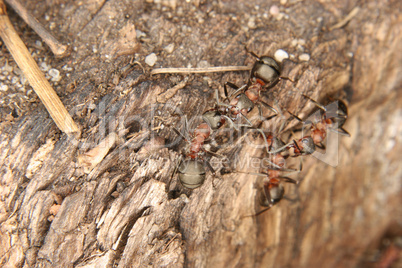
x=44, y=67
x=280, y=16
x=140, y=34
x=203, y=64
x=169, y=48
x=3, y=87
x=280, y=55
x=38, y=43
x=251, y=23
x=52, y=26
x=304, y=57
x=14, y=79
x=54, y=74
x=66, y=68
x=151, y=59
x=7, y=68
x=274, y=10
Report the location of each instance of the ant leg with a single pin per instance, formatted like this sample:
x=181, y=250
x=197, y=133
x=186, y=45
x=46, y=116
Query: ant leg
x=238, y=126
x=321, y=146
x=218, y=101
x=341, y=131
x=257, y=214
x=210, y=168
x=247, y=121
x=212, y=171
x=264, y=138
x=235, y=87
x=305, y=123
x=316, y=103
x=269, y=107
x=213, y=154
x=301, y=164
x=286, y=78
x=291, y=199
x=269, y=117
x=280, y=149
x=289, y=180
x=180, y=134
x=252, y=53
x=174, y=172
x=295, y=116
x=290, y=170
x=272, y=84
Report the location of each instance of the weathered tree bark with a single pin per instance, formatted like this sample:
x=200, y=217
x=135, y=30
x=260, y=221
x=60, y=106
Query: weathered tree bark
x=130, y=211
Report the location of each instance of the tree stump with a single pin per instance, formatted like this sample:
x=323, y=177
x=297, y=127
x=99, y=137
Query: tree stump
x=59, y=209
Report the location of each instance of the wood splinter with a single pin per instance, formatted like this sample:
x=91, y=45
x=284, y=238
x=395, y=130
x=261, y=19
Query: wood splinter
x=35, y=76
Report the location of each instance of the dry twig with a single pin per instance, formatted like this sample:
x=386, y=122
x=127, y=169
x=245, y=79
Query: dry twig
x=345, y=20
x=200, y=70
x=34, y=75
x=58, y=49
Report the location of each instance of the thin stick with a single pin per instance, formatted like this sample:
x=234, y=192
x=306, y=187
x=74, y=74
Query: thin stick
x=200, y=70
x=345, y=20
x=58, y=49
x=34, y=75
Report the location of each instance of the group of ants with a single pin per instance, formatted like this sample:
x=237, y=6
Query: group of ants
x=265, y=74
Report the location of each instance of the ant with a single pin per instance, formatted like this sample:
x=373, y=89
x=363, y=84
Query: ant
x=192, y=170
x=332, y=117
x=264, y=75
x=273, y=188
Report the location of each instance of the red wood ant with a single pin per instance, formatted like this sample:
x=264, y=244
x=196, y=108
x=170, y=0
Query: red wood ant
x=331, y=117
x=273, y=188
x=192, y=170
x=264, y=75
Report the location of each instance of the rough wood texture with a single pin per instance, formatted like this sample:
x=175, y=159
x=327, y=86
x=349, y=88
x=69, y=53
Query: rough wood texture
x=126, y=212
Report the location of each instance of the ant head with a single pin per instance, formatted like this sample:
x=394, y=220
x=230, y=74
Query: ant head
x=265, y=69
x=308, y=145
x=191, y=173
x=213, y=118
x=244, y=103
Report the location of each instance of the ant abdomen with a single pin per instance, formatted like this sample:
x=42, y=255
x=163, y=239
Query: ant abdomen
x=192, y=173
x=267, y=70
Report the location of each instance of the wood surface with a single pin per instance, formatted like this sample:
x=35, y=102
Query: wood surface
x=59, y=207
